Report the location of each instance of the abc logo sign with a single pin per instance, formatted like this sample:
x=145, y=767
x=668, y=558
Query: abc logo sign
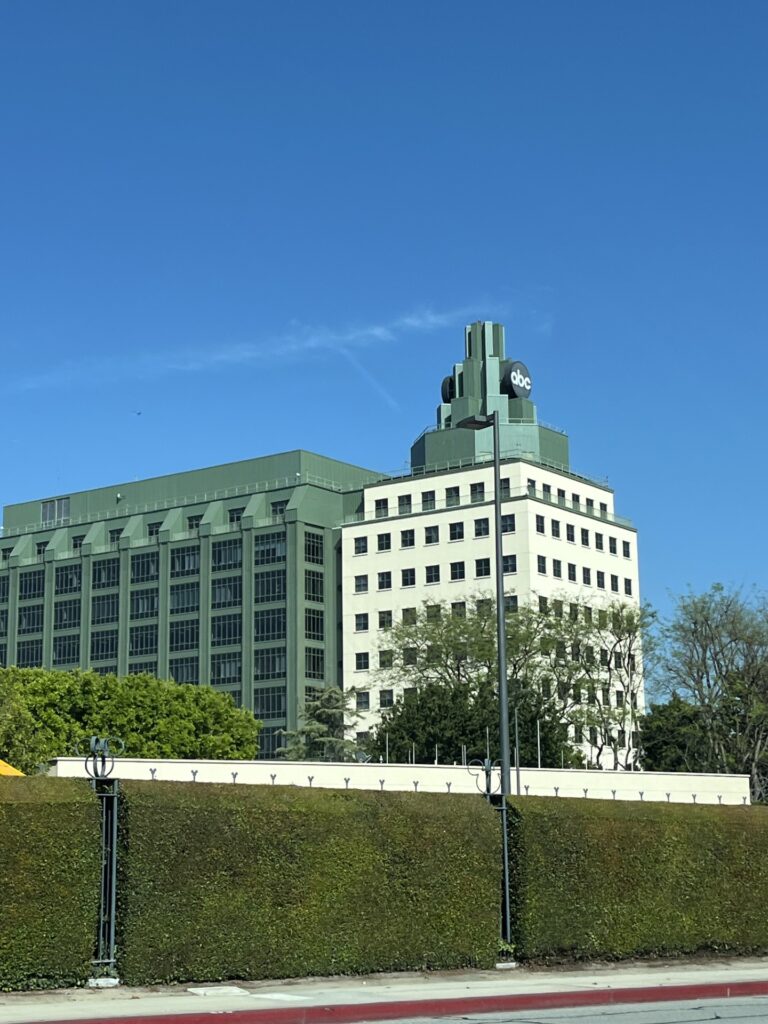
x=516, y=380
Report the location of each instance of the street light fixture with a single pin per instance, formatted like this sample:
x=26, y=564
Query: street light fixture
x=481, y=421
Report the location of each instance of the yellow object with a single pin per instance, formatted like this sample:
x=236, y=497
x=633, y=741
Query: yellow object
x=6, y=769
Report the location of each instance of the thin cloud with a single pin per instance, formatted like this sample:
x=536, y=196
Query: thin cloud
x=297, y=341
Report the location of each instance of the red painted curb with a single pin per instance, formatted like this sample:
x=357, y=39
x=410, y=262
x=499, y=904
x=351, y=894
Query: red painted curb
x=348, y=1013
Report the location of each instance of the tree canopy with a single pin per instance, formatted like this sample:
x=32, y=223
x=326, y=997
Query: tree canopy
x=321, y=733
x=46, y=713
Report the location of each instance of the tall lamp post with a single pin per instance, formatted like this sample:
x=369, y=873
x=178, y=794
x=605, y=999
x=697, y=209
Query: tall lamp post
x=482, y=421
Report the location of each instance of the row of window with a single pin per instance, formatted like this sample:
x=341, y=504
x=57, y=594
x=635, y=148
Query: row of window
x=481, y=528
x=410, y=615
x=584, y=536
x=477, y=494
x=458, y=571
x=586, y=575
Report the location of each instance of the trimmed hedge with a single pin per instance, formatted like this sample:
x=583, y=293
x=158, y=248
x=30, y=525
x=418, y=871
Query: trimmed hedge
x=595, y=878
x=225, y=881
x=49, y=881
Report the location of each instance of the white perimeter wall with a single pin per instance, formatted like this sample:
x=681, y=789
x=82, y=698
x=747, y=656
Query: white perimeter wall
x=675, y=787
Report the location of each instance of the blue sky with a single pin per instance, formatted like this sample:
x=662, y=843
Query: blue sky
x=263, y=226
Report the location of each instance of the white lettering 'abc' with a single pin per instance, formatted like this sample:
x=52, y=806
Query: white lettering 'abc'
x=516, y=381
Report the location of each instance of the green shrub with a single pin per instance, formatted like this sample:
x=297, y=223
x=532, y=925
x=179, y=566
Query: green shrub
x=226, y=881
x=49, y=881
x=595, y=878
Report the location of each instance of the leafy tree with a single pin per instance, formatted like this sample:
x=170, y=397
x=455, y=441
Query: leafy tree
x=45, y=713
x=444, y=658
x=672, y=738
x=715, y=656
x=321, y=733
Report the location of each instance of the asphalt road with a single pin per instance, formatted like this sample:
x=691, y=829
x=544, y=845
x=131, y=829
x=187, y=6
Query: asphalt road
x=752, y=1010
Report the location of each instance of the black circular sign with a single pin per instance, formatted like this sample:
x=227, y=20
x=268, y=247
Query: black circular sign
x=516, y=380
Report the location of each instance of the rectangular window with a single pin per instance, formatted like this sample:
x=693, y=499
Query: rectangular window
x=456, y=531
x=432, y=574
x=277, y=508
x=105, y=608
x=144, y=603
x=451, y=497
x=427, y=501
x=269, y=624
x=314, y=548
x=362, y=661
x=586, y=576
x=628, y=587
x=153, y=529
x=508, y=524
x=185, y=597
x=314, y=585
x=431, y=534
x=184, y=635
x=41, y=546
x=29, y=653
x=361, y=584
x=504, y=488
x=54, y=511
x=404, y=505
x=115, y=535
x=314, y=624
x=385, y=620
x=194, y=520
x=408, y=578
x=385, y=581
x=384, y=542
x=386, y=697
x=600, y=580
x=142, y=640
x=407, y=538
x=269, y=547
x=361, y=622
x=433, y=613
x=31, y=618
x=557, y=568
x=457, y=571
x=603, y=510
x=235, y=516
x=509, y=564
x=546, y=491
x=476, y=493
x=226, y=592
x=615, y=584
x=590, y=505
x=185, y=670
x=539, y=524
x=4, y=586
x=570, y=533
x=145, y=567
x=67, y=579
x=543, y=605
x=410, y=656
x=269, y=586
x=361, y=545
x=541, y=564
x=270, y=702
x=409, y=616
x=66, y=650
x=571, y=572
x=576, y=500
x=459, y=609
x=66, y=614
x=269, y=663
x=560, y=496
x=531, y=487
x=226, y=629
x=381, y=507
x=555, y=527
x=625, y=548
x=226, y=554
x=185, y=561
x=612, y=546
x=482, y=567
x=314, y=663
x=599, y=541
x=104, y=645
x=482, y=527
x=363, y=703
x=510, y=603
x=31, y=584
x=585, y=538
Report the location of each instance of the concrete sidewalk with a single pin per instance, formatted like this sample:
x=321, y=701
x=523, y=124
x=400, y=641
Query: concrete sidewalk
x=393, y=996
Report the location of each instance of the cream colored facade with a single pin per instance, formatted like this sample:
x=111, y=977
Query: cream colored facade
x=544, y=508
